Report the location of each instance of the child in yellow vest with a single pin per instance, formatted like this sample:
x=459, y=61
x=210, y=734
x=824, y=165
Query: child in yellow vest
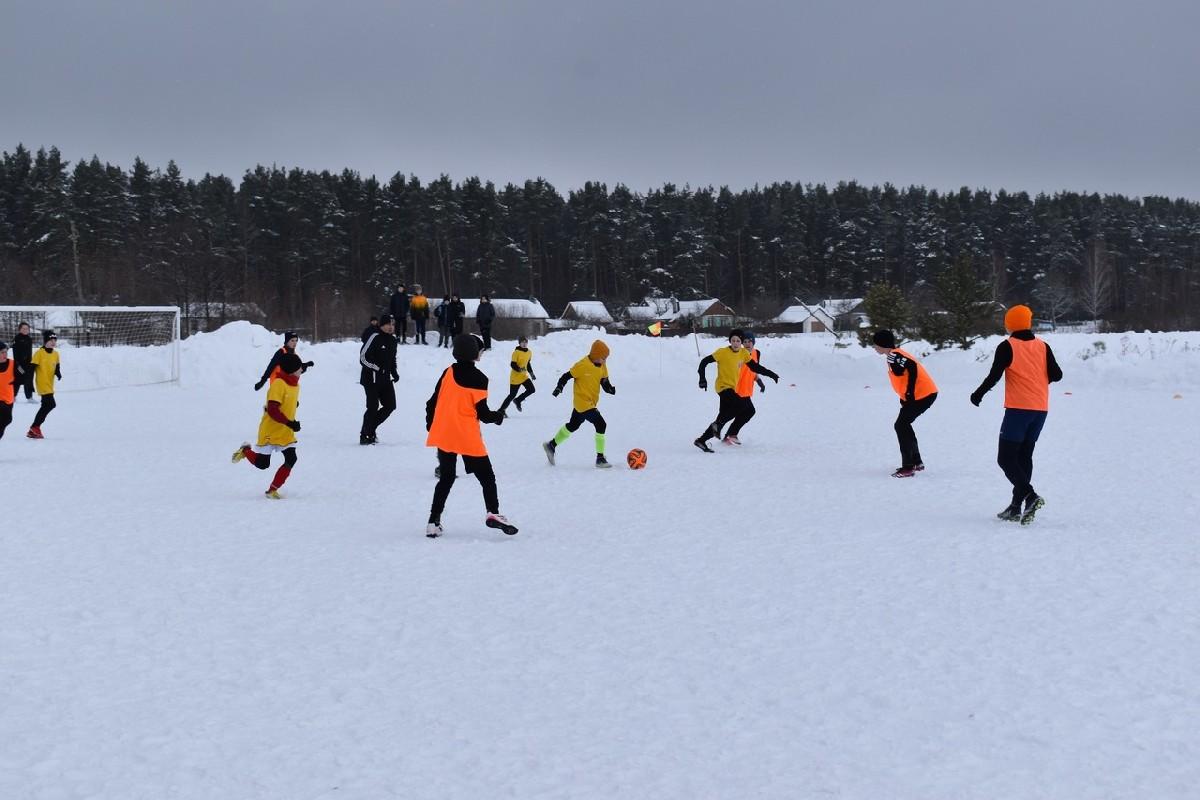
x=917, y=393
x=521, y=376
x=729, y=361
x=45, y=369
x=453, y=415
x=590, y=374
x=277, y=430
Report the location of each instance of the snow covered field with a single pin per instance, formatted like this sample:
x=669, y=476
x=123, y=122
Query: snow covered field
x=782, y=620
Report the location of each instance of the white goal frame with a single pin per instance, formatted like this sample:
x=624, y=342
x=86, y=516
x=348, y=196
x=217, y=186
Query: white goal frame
x=37, y=317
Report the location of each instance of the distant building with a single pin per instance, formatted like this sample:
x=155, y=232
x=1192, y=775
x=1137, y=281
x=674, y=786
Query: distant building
x=514, y=318
x=679, y=314
x=849, y=314
x=583, y=313
x=804, y=318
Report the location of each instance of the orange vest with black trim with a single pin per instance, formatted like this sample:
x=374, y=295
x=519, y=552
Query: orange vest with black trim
x=8, y=372
x=925, y=385
x=745, y=382
x=1026, y=384
x=455, y=427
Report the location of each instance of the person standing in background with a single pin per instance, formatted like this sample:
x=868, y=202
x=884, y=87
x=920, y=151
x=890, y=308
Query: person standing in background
x=378, y=376
x=399, y=308
x=454, y=316
x=418, y=309
x=485, y=315
x=440, y=312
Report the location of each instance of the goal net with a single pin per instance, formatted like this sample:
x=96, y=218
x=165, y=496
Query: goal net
x=103, y=346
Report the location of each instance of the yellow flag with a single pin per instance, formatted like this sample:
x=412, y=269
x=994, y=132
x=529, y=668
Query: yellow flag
x=655, y=329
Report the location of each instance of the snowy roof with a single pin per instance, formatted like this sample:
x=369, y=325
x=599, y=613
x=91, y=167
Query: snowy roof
x=795, y=315
x=666, y=309
x=590, y=310
x=510, y=309
x=841, y=305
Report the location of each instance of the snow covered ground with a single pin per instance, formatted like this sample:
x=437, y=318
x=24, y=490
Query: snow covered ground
x=782, y=620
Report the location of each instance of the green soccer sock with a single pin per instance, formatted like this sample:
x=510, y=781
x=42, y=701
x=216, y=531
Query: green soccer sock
x=600, y=443
x=562, y=435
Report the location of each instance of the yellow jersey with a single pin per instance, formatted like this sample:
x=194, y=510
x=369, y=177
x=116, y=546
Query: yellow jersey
x=520, y=357
x=729, y=364
x=45, y=365
x=587, y=383
x=271, y=431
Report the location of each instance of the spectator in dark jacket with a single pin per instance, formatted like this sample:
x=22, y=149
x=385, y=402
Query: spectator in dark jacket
x=22, y=350
x=372, y=328
x=399, y=308
x=443, y=326
x=484, y=316
x=454, y=315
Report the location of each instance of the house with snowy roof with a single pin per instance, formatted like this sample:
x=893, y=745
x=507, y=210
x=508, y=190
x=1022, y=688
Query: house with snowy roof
x=849, y=313
x=514, y=318
x=584, y=313
x=680, y=314
x=805, y=318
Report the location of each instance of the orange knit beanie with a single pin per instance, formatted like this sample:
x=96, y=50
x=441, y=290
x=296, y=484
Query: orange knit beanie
x=599, y=350
x=1018, y=318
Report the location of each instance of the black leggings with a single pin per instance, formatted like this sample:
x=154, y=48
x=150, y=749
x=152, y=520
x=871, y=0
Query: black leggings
x=48, y=405
x=24, y=381
x=728, y=410
x=479, y=466
x=512, y=393
x=263, y=460
x=5, y=416
x=744, y=414
x=419, y=329
x=910, y=453
x=592, y=415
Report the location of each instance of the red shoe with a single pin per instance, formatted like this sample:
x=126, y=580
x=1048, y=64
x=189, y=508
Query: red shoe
x=35, y=433
x=730, y=440
x=904, y=472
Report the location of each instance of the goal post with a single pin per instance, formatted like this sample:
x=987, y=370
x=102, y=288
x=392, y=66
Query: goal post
x=104, y=346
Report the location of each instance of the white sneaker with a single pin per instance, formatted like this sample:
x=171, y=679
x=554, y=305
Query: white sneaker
x=433, y=530
x=500, y=522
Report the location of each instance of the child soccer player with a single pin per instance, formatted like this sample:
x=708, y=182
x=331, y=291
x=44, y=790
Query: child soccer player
x=277, y=430
x=44, y=362
x=745, y=390
x=590, y=374
x=22, y=352
x=917, y=393
x=273, y=370
x=453, y=414
x=728, y=360
x=521, y=376
x=8, y=383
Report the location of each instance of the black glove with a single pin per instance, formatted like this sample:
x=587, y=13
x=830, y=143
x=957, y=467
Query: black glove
x=294, y=424
x=609, y=388
x=557, y=391
x=976, y=398
x=704, y=384
x=501, y=419
x=307, y=364
x=258, y=385
x=395, y=377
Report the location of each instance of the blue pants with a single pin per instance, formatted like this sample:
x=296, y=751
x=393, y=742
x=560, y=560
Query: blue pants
x=1018, y=436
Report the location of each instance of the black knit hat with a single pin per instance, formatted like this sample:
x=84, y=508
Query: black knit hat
x=290, y=362
x=385, y=319
x=466, y=347
x=288, y=336
x=48, y=334
x=884, y=338
x=3, y=345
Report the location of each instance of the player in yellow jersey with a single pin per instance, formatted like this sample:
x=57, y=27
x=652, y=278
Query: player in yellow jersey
x=277, y=430
x=729, y=361
x=590, y=374
x=521, y=377
x=44, y=364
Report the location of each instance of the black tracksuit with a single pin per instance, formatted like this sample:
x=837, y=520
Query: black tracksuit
x=399, y=309
x=378, y=360
x=22, y=352
x=484, y=317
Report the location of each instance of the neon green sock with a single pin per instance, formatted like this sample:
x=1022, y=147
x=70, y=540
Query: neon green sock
x=600, y=444
x=562, y=435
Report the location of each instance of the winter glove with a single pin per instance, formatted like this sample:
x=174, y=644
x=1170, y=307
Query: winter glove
x=557, y=391
x=976, y=398
x=704, y=384
x=395, y=377
x=258, y=385
x=762, y=387
x=307, y=364
x=294, y=424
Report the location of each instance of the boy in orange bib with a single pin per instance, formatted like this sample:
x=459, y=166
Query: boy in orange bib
x=453, y=414
x=917, y=393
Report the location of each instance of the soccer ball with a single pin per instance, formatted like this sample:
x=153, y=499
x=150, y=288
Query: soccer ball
x=636, y=459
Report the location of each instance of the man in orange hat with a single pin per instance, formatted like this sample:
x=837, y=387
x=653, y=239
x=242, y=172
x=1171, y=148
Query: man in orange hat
x=590, y=374
x=1028, y=367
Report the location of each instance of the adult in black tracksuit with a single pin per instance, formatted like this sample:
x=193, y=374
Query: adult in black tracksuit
x=454, y=316
x=378, y=360
x=290, y=340
x=485, y=315
x=399, y=309
x=22, y=352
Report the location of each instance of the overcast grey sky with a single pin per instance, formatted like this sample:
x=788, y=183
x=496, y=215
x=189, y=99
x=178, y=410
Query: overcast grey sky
x=1088, y=95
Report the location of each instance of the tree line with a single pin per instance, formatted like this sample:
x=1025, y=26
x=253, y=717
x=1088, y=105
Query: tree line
x=320, y=250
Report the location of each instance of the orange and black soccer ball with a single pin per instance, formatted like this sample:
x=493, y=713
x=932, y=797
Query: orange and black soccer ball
x=636, y=459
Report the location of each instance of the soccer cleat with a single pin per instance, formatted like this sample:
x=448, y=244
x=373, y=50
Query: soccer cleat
x=1032, y=504
x=1010, y=514
x=904, y=472
x=918, y=467
x=240, y=453
x=715, y=430
x=602, y=462
x=500, y=522
x=273, y=494
x=703, y=445
x=433, y=530
x=731, y=440
x=364, y=438
x=517, y=403
x=35, y=433
x=549, y=447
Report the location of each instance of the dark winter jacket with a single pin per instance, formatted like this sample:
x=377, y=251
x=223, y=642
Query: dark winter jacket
x=22, y=348
x=440, y=312
x=378, y=359
x=399, y=305
x=455, y=311
x=485, y=314
x=366, y=334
